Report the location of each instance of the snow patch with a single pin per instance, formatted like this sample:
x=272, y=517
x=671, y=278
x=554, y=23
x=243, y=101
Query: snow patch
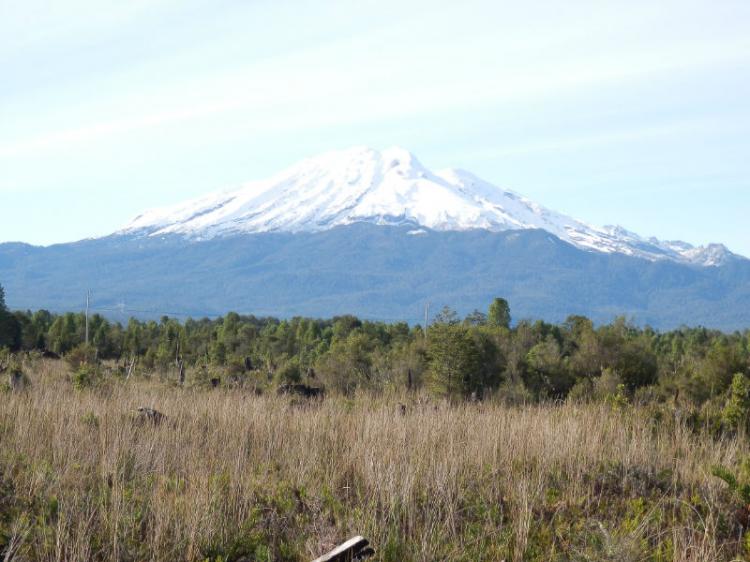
x=391, y=187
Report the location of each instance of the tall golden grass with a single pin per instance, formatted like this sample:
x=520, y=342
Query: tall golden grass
x=231, y=474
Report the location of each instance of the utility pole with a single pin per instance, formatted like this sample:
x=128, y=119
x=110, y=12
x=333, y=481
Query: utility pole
x=426, y=317
x=88, y=296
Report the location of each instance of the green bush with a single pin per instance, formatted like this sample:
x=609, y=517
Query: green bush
x=582, y=391
x=739, y=482
x=91, y=420
x=85, y=377
x=737, y=406
x=607, y=385
x=513, y=393
x=289, y=372
x=619, y=399
x=81, y=355
x=14, y=377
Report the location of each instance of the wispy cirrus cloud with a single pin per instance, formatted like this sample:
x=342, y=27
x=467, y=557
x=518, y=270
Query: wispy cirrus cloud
x=160, y=93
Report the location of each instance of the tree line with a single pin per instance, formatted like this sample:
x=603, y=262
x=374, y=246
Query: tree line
x=478, y=356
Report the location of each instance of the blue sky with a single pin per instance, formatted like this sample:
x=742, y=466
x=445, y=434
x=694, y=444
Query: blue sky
x=632, y=113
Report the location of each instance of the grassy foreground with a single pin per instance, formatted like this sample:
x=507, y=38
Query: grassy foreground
x=236, y=476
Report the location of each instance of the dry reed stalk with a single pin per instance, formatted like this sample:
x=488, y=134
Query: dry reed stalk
x=224, y=458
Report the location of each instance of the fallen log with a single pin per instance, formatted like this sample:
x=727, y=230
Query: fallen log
x=356, y=548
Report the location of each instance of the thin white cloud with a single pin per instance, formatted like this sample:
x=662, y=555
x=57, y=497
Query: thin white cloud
x=293, y=92
x=562, y=144
x=100, y=88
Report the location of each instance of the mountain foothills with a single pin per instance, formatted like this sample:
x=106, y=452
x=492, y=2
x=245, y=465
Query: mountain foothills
x=480, y=355
x=375, y=233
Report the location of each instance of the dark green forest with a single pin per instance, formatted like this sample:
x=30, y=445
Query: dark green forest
x=481, y=356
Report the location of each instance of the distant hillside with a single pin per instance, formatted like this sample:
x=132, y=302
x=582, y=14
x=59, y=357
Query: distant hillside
x=378, y=272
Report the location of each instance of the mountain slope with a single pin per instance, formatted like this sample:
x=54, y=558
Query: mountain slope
x=378, y=235
x=378, y=272
x=392, y=188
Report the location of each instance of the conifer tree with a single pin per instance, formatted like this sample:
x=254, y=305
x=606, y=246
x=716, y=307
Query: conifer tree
x=455, y=360
x=10, y=328
x=499, y=313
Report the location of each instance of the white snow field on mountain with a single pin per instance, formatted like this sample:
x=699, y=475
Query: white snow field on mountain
x=391, y=187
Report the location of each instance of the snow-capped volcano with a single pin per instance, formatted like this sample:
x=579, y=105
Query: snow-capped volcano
x=391, y=187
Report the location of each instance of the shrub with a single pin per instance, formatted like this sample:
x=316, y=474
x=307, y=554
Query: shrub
x=85, y=377
x=289, y=372
x=582, y=391
x=14, y=378
x=81, y=355
x=608, y=384
x=91, y=420
x=513, y=393
x=738, y=483
x=737, y=406
x=619, y=399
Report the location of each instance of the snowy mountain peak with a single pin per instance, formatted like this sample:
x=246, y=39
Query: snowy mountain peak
x=391, y=187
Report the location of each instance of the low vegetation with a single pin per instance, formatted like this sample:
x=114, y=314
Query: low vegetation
x=479, y=356
x=231, y=474
x=260, y=439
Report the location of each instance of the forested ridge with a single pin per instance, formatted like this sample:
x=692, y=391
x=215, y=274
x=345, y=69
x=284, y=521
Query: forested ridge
x=375, y=272
x=479, y=356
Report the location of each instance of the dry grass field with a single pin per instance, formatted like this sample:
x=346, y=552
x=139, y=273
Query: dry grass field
x=230, y=475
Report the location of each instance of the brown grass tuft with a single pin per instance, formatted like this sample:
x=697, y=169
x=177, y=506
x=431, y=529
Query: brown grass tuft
x=231, y=474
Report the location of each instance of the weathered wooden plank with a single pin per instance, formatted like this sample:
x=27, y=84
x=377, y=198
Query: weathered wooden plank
x=350, y=550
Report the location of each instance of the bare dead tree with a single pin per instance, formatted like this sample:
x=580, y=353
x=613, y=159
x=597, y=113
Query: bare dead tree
x=130, y=368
